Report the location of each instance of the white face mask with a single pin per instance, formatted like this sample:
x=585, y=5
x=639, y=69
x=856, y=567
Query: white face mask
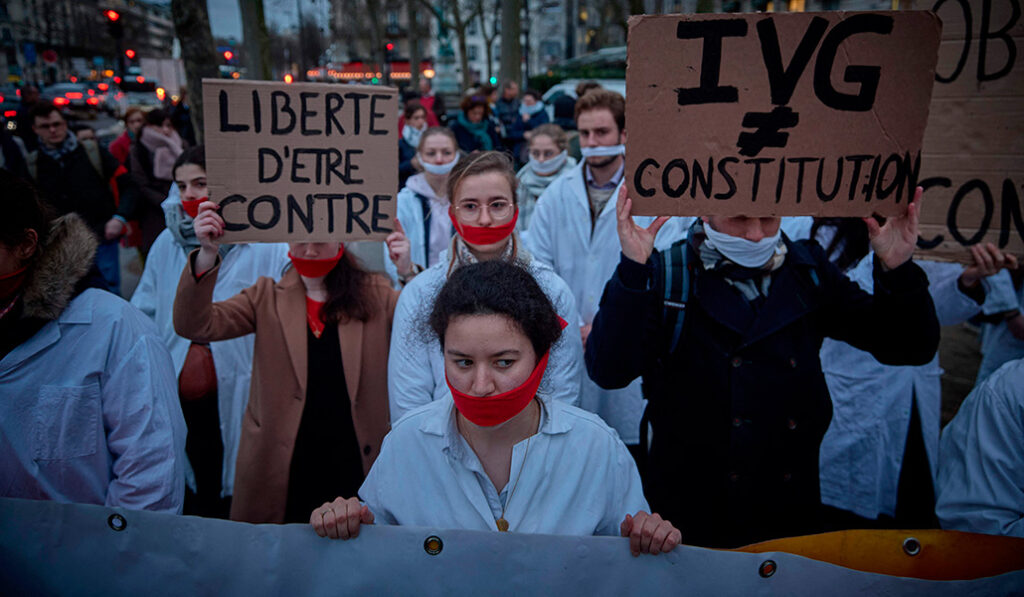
x=606, y=150
x=740, y=250
x=441, y=170
x=549, y=166
x=412, y=135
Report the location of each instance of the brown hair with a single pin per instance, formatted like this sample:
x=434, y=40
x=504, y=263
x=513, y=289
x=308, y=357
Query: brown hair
x=412, y=107
x=349, y=289
x=471, y=101
x=481, y=162
x=132, y=111
x=603, y=98
x=557, y=134
x=438, y=130
x=584, y=86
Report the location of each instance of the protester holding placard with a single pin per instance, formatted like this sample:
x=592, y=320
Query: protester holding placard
x=90, y=413
x=213, y=378
x=573, y=230
x=725, y=328
x=318, y=407
x=484, y=214
x=549, y=159
x=423, y=202
x=880, y=453
x=469, y=461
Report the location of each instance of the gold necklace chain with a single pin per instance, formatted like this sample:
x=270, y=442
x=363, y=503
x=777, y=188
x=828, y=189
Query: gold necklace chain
x=501, y=522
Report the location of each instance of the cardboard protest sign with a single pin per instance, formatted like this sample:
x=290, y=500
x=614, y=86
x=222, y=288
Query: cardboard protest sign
x=777, y=114
x=301, y=162
x=973, y=162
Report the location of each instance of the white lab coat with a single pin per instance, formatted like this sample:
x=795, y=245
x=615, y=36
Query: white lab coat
x=232, y=359
x=89, y=411
x=862, y=452
x=410, y=214
x=998, y=344
x=576, y=477
x=561, y=236
x=416, y=364
x=981, y=461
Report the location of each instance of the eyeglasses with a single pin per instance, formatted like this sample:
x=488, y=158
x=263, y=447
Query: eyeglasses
x=469, y=211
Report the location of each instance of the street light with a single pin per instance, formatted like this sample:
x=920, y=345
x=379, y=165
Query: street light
x=112, y=15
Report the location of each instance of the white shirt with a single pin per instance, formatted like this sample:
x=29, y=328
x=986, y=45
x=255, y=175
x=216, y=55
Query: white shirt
x=562, y=237
x=232, y=359
x=981, y=465
x=998, y=344
x=862, y=452
x=416, y=363
x=577, y=478
x=89, y=411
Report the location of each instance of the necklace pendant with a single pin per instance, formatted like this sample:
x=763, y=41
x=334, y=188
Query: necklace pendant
x=502, y=524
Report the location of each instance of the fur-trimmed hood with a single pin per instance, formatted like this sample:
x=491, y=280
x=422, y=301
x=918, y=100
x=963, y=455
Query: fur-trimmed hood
x=62, y=262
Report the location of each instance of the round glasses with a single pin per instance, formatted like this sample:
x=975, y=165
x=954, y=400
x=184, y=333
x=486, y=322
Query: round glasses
x=499, y=209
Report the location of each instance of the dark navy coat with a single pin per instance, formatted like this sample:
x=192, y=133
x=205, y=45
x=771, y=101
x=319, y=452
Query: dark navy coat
x=739, y=408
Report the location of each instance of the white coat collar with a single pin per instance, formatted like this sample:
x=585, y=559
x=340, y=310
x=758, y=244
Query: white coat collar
x=552, y=422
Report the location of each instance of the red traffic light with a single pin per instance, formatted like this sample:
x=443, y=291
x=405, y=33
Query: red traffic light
x=112, y=15
x=130, y=53
x=228, y=54
x=288, y=78
x=390, y=46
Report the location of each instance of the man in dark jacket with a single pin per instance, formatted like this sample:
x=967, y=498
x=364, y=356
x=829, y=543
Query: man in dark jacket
x=75, y=177
x=725, y=329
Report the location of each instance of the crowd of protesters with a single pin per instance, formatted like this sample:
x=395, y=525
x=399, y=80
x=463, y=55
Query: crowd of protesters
x=532, y=358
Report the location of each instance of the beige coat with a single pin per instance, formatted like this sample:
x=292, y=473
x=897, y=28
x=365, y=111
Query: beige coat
x=276, y=313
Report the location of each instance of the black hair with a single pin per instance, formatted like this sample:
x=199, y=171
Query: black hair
x=498, y=288
x=156, y=117
x=349, y=292
x=850, y=243
x=193, y=155
x=43, y=109
x=23, y=210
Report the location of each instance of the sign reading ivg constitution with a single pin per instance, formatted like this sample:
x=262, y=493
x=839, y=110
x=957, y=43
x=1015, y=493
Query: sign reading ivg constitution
x=302, y=161
x=778, y=114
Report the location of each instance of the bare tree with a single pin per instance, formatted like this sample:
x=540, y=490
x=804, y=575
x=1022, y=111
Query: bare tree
x=489, y=13
x=257, y=40
x=414, y=43
x=457, y=16
x=192, y=27
x=511, y=46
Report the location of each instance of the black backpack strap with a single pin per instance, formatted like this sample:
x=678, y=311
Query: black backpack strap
x=425, y=206
x=676, y=273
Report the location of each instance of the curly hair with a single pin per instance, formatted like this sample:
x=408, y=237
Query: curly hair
x=498, y=288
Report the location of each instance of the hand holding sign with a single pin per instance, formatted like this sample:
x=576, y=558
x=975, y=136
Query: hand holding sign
x=399, y=250
x=894, y=243
x=988, y=260
x=209, y=227
x=637, y=242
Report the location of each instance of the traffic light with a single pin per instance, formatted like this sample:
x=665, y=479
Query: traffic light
x=130, y=54
x=114, y=26
x=389, y=49
x=288, y=78
x=228, y=55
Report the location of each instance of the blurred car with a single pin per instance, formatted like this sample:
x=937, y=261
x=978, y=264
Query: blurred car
x=141, y=94
x=75, y=98
x=568, y=88
x=10, y=101
x=111, y=98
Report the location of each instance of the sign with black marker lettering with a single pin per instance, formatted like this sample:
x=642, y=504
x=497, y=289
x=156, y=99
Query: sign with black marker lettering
x=301, y=162
x=778, y=114
x=973, y=163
